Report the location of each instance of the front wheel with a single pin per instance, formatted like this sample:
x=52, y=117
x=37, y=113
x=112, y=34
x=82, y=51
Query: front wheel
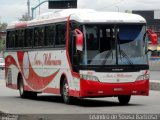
x=124, y=99
x=65, y=92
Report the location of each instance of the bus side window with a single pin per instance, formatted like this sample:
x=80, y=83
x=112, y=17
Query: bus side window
x=19, y=38
x=10, y=39
x=49, y=35
x=7, y=39
x=29, y=37
x=61, y=34
x=39, y=36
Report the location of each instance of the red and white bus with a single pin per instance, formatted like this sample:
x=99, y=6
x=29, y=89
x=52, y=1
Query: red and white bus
x=78, y=53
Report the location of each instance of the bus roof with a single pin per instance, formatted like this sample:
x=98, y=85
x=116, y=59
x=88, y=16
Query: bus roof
x=81, y=15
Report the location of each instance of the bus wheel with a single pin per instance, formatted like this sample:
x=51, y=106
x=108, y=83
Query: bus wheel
x=22, y=92
x=124, y=99
x=65, y=92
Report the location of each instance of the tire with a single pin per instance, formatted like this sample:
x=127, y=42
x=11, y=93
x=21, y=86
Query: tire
x=65, y=92
x=124, y=99
x=23, y=93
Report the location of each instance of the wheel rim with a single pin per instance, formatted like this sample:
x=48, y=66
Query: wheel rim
x=65, y=92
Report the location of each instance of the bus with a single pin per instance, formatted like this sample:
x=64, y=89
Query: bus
x=78, y=53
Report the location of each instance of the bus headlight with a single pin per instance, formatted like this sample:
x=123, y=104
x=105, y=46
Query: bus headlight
x=89, y=77
x=143, y=77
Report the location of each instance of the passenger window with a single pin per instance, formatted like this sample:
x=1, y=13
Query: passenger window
x=11, y=39
x=29, y=38
x=19, y=38
x=50, y=35
x=39, y=36
x=61, y=34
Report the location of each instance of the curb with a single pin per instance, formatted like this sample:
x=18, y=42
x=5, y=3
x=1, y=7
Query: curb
x=154, y=85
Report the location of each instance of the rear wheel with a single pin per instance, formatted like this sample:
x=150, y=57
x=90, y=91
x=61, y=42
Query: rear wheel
x=124, y=99
x=23, y=93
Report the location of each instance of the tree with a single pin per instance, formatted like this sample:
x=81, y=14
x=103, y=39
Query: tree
x=2, y=44
x=25, y=17
x=3, y=27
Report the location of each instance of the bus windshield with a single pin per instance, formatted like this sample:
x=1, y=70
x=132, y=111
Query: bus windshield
x=114, y=45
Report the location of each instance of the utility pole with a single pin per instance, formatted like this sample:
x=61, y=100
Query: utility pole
x=28, y=5
x=33, y=8
x=117, y=8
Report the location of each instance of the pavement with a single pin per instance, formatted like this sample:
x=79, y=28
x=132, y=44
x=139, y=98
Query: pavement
x=155, y=80
x=155, y=85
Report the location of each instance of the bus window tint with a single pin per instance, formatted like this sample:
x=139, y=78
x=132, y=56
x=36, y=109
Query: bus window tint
x=19, y=38
x=39, y=36
x=29, y=38
x=11, y=39
x=61, y=33
x=49, y=35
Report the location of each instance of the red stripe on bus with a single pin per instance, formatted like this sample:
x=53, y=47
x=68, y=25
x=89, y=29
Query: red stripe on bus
x=52, y=90
x=35, y=81
x=9, y=60
x=74, y=93
x=74, y=74
x=21, y=25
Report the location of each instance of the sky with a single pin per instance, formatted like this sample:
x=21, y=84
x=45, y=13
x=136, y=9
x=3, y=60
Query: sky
x=11, y=10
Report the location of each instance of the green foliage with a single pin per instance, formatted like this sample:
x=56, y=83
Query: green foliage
x=25, y=17
x=2, y=44
x=3, y=27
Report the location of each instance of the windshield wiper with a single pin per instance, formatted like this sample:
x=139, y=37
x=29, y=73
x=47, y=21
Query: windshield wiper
x=107, y=56
x=126, y=56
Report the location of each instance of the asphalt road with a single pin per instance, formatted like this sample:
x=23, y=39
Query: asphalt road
x=2, y=74
x=155, y=75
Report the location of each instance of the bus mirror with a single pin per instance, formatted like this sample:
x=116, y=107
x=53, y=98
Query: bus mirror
x=153, y=37
x=79, y=40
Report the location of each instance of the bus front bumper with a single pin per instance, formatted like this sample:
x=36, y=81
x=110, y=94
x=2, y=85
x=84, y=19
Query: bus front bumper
x=99, y=89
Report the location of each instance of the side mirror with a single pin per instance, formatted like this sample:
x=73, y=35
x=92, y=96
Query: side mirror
x=153, y=37
x=79, y=40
